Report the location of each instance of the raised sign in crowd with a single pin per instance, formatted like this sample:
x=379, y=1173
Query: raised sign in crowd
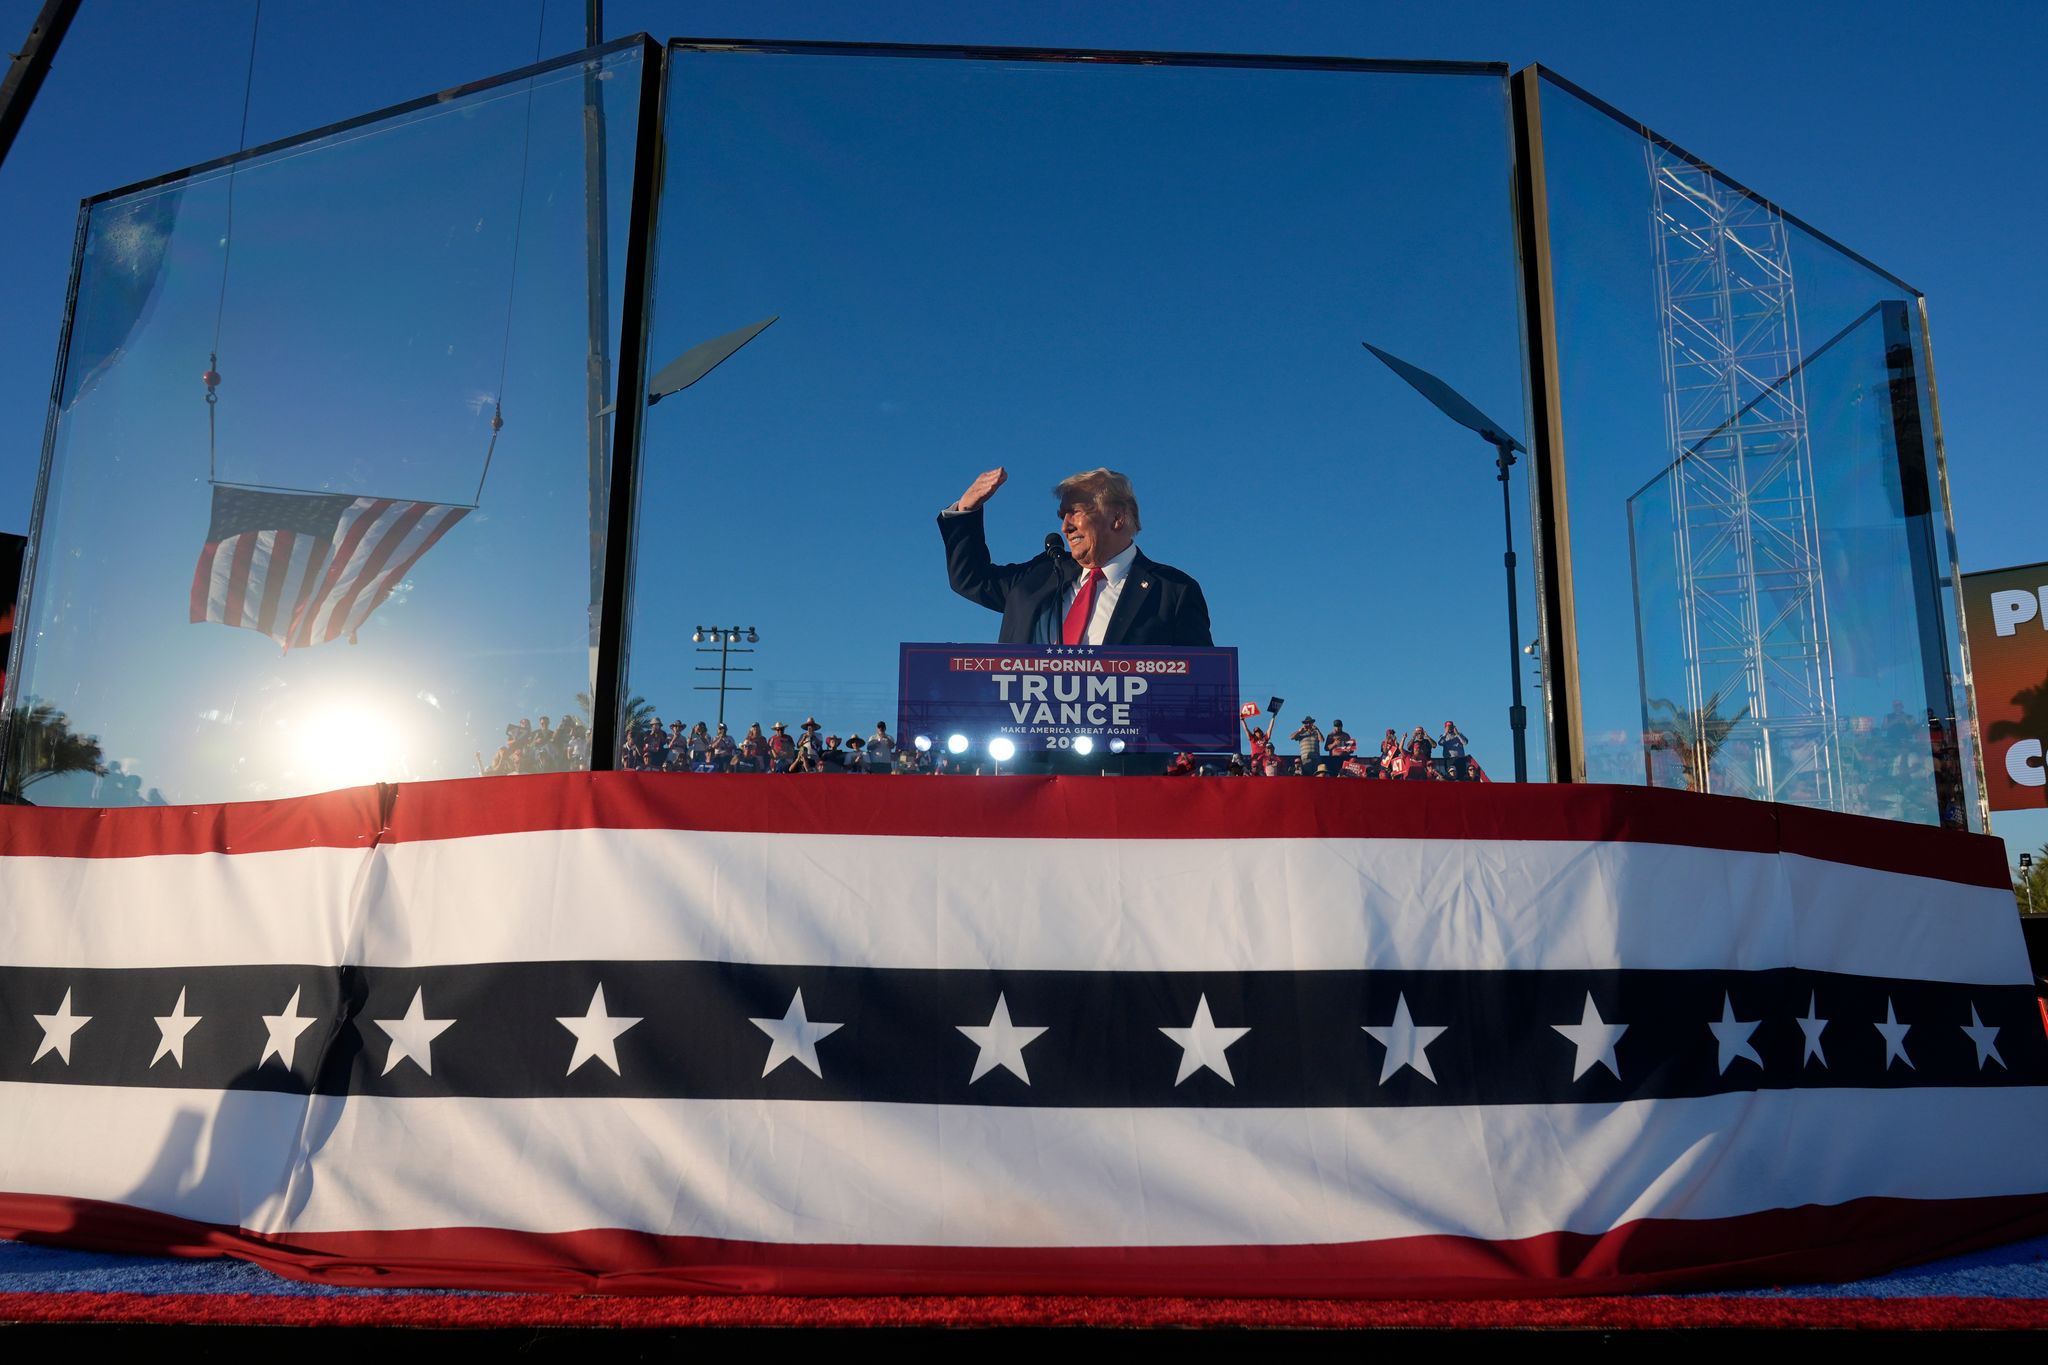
x=652, y=746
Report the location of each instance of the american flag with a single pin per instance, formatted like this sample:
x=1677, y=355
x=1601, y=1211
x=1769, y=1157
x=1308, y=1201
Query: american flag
x=304, y=568
x=634, y=1032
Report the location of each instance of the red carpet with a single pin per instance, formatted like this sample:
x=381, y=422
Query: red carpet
x=535, y=1310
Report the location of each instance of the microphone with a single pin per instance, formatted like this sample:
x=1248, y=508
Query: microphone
x=1056, y=551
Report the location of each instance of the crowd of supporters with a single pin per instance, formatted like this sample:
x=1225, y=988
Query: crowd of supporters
x=651, y=746
x=1335, y=753
x=543, y=748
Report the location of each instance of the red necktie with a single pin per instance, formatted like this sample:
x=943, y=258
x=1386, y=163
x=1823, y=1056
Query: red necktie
x=1075, y=631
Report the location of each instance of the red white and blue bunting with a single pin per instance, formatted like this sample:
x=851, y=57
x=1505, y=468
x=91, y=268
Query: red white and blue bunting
x=1029, y=1034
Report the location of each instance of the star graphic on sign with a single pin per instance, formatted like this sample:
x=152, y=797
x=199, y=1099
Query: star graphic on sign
x=412, y=1037
x=174, y=1026
x=1203, y=1044
x=1594, y=1038
x=597, y=1033
x=284, y=1033
x=58, y=1030
x=1812, y=1026
x=1894, y=1037
x=795, y=1036
x=1407, y=1043
x=1002, y=1043
x=1985, y=1037
x=1732, y=1036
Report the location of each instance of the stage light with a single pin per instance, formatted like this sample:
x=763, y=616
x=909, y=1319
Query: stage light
x=697, y=636
x=1083, y=744
x=956, y=744
x=1116, y=746
x=1001, y=750
x=923, y=744
x=753, y=636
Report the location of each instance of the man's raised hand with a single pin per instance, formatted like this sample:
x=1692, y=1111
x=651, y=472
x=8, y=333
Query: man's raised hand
x=982, y=489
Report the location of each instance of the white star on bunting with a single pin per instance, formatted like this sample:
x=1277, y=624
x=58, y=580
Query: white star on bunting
x=1407, y=1042
x=1732, y=1036
x=795, y=1037
x=1202, y=1044
x=597, y=1033
x=1894, y=1037
x=1002, y=1043
x=1812, y=1026
x=58, y=1031
x=173, y=1027
x=284, y=1032
x=1986, y=1039
x=1594, y=1039
x=412, y=1037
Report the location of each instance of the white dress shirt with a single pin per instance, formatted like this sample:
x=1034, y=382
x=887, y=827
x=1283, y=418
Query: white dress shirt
x=1113, y=575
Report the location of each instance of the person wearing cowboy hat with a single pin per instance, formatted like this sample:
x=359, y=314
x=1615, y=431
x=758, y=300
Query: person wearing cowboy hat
x=781, y=748
x=1311, y=744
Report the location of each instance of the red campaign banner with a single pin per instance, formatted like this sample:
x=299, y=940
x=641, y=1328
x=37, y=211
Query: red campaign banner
x=2006, y=611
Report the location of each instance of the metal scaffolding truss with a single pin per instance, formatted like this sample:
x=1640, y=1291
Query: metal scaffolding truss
x=1751, y=596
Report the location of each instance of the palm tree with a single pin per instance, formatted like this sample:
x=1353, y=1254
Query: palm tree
x=45, y=745
x=637, y=709
x=2033, y=721
x=1669, y=727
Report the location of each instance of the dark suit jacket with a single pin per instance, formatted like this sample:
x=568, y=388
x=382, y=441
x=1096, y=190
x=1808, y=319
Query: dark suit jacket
x=1159, y=605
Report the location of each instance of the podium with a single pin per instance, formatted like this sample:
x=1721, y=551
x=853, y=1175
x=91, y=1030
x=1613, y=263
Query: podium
x=1067, y=707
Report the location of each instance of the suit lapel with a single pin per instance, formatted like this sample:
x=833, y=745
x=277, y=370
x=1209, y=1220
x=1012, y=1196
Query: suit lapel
x=1139, y=585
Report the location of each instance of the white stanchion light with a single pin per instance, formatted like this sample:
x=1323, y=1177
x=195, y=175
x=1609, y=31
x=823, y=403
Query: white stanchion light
x=1001, y=750
x=923, y=744
x=1083, y=744
x=956, y=744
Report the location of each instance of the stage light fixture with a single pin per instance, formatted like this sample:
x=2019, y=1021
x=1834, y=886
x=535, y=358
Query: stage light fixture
x=956, y=744
x=753, y=636
x=1001, y=750
x=1116, y=746
x=697, y=636
x=923, y=744
x=1083, y=744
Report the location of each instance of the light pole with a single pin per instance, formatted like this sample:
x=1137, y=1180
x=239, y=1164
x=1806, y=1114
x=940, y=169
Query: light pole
x=2027, y=878
x=1453, y=405
x=725, y=644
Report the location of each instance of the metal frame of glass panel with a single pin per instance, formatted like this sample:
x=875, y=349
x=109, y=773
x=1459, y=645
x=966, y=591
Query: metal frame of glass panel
x=1743, y=514
x=629, y=372
x=1726, y=296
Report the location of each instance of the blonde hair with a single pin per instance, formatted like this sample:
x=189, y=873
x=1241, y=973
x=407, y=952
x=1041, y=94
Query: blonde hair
x=1108, y=490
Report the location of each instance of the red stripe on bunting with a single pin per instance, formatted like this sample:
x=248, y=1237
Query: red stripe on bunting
x=343, y=819
x=1017, y=808
x=414, y=1309
x=1779, y=1246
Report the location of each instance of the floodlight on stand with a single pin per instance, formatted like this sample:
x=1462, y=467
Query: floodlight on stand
x=1455, y=406
x=956, y=744
x=923, y=744
x=1116, y=746
x=1083, y=744
x=1001, y=750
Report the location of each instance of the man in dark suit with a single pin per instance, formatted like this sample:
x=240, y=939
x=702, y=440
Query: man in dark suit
x=1107, y=593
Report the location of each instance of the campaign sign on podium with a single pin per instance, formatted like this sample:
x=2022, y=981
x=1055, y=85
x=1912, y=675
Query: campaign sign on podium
x=1044, y=697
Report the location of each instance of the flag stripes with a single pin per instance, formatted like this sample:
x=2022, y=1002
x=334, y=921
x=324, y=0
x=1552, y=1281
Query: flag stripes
x=308, y=568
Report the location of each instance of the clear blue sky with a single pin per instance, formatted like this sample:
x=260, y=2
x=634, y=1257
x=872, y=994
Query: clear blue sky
x=1908, y=133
